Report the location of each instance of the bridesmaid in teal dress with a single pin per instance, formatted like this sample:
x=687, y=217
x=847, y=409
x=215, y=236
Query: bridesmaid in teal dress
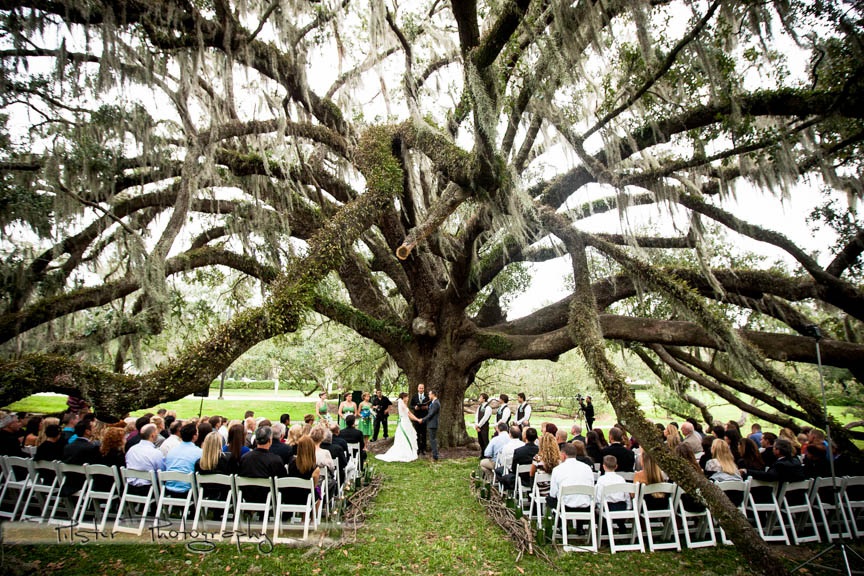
x=365, y=425
x=345, y=408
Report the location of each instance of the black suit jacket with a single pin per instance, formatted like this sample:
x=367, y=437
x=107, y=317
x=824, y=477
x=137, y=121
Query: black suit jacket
x=50, y=451
x=352, y=436
x=783, y=470
x=260, y=463
x=431, y=418
x=81, y=451
x=626, y=459
x=284, y=452
x=524, y=455
x=419, y=409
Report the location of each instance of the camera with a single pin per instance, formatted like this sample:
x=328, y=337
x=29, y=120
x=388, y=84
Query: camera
x=579, y=397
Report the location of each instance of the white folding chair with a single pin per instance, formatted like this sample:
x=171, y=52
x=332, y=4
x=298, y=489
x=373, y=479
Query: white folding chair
x=762, y=499
x=609, y=517
x=736, y=491
x=564, y=516
x=354, y=456
x=659, y=516
x=43, y=485
x=102, y=485
x=130, y=500
x=66, y=475
x=170, y=499
x=243, y=505
x=833, y=517
x=538, y=500
x=307, y=509
x=703, y=523
x=210, y=485
x=628, y=476
x=18, y=477
x=794, y=498
x=853, y=503
x=521, y=492
x=503, y=461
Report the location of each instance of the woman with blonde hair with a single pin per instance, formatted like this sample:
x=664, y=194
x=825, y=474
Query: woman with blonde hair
x=214, y=461
x=788, y=434
x=722, y=466
x=547, y=458
x=294, y=434
x=672, y=436
x=651, y=474
x=48, y=421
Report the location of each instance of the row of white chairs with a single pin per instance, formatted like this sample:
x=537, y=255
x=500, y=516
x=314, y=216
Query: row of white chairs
x=785, y=512
x=39, y=491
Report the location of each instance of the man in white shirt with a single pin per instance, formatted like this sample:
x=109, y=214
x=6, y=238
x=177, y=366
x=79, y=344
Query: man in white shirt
x=617, y=500
x=503, y=414
x=490, y=455
x=505, y=456
x=172, y=440
x=570, y=472
x=144, y=456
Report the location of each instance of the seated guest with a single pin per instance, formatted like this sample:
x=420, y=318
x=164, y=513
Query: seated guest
x=623, y=455
x=523, y=455
x=707, y=441
x=576, y=432
x=305, y=466
x=691, y=438
x=260, y=463
x=337, y=453
x=144, y=456
x=816, y=463
x=173, y=440
x=490, y=455
x=183, y=458
x=582, y=454
x=112, y=454
x=213, y=461
x=766, y=449
x=547, y=458
x=135, y=436
x=652, y=474
x=10, y=441
x=31, y=431
x=721, y=464
x=561, y=437
x=284, y=451
x=52, y=448
x=616, y=501
x=593, y=447
x=236, y=447
x=568, y=473
x=352, y=435
x=750, y=456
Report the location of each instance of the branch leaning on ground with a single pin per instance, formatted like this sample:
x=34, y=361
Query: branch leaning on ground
x=518, y=530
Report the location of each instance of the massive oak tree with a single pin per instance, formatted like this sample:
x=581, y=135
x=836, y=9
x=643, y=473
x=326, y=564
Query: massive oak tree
x=398, y=167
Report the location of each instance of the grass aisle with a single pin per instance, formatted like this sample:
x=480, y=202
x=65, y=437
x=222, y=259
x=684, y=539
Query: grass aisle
x=423, y=521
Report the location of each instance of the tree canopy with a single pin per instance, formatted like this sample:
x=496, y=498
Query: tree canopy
x=398, y=167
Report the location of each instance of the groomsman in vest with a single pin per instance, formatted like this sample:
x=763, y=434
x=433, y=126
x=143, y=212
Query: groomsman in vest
x=481, y=422
x=503, y=414
x=420, y=407
x=523, y=412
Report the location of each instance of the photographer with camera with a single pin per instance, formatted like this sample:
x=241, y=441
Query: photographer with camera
x=587, y=409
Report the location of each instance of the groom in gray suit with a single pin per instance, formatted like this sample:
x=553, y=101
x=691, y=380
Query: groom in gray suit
x=431, y=421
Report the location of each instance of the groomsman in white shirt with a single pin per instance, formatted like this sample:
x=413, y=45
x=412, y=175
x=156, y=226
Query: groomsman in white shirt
x=481, y=422
x=523, y=412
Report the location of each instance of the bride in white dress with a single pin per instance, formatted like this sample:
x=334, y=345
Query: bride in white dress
x=404, y=447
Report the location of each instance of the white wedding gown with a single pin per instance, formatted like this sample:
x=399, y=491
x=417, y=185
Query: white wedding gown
x=404, y=447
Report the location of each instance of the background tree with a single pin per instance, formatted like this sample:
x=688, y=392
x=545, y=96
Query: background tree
x=397, y=168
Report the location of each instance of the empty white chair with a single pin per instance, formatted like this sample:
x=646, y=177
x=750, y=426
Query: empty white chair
x=659, y=513
x=354, y=459
x=133, y=503
x=43, y=485
x=609, y=518
x=762, y=503
x=521, y=491
x=822, y=498
x=169, y=499
x=245, y=504
x=102, y=488
x=737, y=491
x=564, y=516
x=703, y=522
x=853, y=503
x=794, y=500
x=307, y=509
x=216, y=492
x=538, y=496
x=67, y=475
x=18, y=479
